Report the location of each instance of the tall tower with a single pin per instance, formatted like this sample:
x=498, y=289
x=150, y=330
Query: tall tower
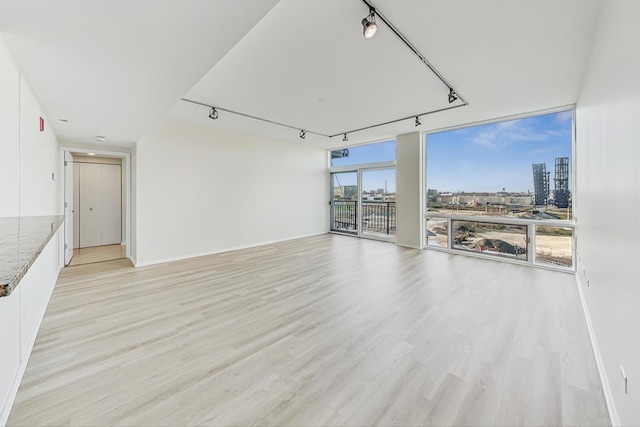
x=540, y=183
x=561, y=182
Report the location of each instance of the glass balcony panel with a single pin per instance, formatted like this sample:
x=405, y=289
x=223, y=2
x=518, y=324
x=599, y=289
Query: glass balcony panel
x=437, y=232
x=554, y=246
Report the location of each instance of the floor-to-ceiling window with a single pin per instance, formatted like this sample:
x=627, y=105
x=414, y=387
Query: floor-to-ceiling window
x=503, y=189
x=363, y=190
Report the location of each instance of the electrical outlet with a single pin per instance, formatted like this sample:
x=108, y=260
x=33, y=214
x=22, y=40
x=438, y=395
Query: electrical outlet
x=623, y=375
x=237, y=234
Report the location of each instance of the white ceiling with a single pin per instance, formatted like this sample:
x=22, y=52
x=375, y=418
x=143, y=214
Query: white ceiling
x=116, y=68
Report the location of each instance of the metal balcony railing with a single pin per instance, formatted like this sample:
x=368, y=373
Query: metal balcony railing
x=377, y=217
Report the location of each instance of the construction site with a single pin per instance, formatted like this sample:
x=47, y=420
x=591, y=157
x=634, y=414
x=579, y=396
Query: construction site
x=553, y=245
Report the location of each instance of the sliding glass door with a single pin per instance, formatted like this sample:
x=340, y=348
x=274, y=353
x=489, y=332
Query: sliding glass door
x=363, y=202
x=344, y=202
x=378, y=197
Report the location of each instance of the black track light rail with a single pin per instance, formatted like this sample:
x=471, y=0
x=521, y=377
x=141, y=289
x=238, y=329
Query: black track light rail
x=398, y=120
x=250, y=116
x=453, y=93
x=415, y=50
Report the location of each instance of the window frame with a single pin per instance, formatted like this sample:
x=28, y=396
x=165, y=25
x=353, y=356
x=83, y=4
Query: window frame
x=354, y=166
x=531, y=224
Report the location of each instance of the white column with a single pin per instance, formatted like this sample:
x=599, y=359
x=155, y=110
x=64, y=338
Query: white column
x=410, y=191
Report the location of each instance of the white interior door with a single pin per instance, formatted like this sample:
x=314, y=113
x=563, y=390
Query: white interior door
x=90, y=205
x=69, y=222
x=111, y=204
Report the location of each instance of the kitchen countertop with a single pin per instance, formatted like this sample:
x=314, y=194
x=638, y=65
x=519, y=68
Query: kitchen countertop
x=22, y=239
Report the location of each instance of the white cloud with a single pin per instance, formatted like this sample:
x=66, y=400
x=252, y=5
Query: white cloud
x=502, y=134
x=564, y=116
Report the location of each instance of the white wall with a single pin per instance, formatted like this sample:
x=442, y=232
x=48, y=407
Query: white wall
x=409, y=176
x=38, y=158
x=133, y=237
x=608, y=198
x=202, y=190
x=27, y=159
x=9, y=133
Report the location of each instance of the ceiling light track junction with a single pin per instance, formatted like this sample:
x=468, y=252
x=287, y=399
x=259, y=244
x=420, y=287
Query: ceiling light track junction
x=304, y=132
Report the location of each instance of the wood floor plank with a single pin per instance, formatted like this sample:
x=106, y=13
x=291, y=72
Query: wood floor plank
x=98, y=254
x=327, y=330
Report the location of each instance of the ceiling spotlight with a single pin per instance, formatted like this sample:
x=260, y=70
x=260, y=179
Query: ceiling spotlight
x=213, y=114
x=418, y=123
x=369, y=26
x=452, y=96
x=303, y=134
x=345, y=138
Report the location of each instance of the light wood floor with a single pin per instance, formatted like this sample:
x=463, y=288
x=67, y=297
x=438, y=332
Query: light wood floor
x=98, y=254
x=329, y=330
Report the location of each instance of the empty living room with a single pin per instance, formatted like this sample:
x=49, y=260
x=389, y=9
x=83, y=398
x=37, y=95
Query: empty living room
x=319, y=213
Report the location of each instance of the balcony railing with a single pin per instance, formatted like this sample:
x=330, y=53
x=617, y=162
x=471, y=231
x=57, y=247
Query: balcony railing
x=344, y=216
x=541, y=242
x=377, y=217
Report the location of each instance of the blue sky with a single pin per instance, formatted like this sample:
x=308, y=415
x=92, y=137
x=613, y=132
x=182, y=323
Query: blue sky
x=372, y=153
x=484, y=158
x=491, y=157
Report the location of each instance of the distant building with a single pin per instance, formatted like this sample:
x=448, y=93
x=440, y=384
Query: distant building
x=540, y=184
x=561, y=183
x=345, y=192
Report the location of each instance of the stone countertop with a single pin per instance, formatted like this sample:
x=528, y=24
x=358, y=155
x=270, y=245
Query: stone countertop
x=22, y=239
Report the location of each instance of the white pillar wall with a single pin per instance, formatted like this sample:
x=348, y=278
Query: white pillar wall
x=410, y=189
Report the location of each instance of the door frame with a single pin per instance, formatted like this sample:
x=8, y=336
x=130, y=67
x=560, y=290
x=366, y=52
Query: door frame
x=126, y=188
x=67, y=175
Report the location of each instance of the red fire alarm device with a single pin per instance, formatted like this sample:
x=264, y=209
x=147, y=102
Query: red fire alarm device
x=41, y=124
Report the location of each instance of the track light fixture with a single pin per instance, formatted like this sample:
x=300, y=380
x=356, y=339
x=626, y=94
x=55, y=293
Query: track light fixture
x=369, y=26
x=452, y=96
x=369, y=30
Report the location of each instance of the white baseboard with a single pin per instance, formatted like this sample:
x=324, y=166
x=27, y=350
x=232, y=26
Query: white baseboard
x=231, y=249
x=606, y=387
